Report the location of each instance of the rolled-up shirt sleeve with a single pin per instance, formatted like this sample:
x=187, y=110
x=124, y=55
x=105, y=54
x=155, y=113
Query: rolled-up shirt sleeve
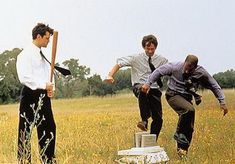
x=125, y=61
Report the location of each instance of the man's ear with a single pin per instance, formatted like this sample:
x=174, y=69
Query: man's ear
x=39, y=36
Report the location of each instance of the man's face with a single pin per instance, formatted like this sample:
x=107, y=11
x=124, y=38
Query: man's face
x=43, y=41
x=188, y=68
x=149, y=49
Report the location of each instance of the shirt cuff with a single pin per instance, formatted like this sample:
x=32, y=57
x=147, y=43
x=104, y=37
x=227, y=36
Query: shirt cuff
x=222, y=102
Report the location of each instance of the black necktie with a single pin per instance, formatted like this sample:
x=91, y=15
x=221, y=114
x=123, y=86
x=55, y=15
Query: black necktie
x=191, y=87
x=159, y=81
x=63, y=71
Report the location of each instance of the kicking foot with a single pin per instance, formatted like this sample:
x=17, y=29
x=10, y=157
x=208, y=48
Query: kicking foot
x=142, y=125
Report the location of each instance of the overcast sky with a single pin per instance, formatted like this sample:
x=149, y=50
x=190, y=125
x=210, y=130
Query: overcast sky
x=98, y=31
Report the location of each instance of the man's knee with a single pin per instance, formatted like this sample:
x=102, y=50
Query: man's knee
x=189, y=110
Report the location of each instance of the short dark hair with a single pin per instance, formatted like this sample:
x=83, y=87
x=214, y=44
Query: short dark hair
x=41, y=29
x=148, y=39
x=192, y=59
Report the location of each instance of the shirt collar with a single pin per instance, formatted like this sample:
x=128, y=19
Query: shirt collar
x=36, y=48
x=147, y=57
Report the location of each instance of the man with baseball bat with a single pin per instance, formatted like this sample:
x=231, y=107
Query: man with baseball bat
x=36, y=75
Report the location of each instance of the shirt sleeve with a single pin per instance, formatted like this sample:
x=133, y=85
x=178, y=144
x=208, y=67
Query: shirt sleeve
x=125, y=61
x=163, y=70
x=24, y=71
x=209, y=82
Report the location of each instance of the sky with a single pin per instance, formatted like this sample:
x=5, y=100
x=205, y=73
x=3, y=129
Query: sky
x=97, y=32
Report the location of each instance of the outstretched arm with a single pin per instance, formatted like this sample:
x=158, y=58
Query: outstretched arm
x=113, y=71
x=209, y=82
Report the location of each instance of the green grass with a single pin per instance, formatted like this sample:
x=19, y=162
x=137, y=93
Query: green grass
x=93, y=129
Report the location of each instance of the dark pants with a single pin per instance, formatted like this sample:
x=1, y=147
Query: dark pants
x=182, y=105
x=44, y=121
x=150, y=106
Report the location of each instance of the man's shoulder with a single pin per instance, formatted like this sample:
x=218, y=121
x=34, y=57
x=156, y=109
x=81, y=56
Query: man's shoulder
x=180, y=63
x=159, y=57
x=27, y=52
x=201, y=70
x=137, y=56
x=27, y=49
x=176, y=65
x=24, y=52
x=164, y=59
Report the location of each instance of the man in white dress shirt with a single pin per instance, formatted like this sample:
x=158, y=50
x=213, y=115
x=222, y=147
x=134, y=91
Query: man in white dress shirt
x=142, y=65
x=34, y=74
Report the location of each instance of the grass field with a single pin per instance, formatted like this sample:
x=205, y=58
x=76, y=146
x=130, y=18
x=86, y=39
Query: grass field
x=92, y=130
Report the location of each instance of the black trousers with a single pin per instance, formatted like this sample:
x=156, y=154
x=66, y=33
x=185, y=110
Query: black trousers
x=150, y=106
x=183, y=106
x=43, y=121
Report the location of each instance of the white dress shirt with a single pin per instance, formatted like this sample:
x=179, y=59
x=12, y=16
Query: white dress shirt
x=33, y=71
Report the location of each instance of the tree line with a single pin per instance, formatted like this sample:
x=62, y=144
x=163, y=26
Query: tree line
x=80, y=83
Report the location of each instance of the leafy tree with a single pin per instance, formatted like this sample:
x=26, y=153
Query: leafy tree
x=226, y=79
x=78, y=71
x=108, y=88
x=95, y=85
x=74, y=84
x=9, y=84
x=123, y=80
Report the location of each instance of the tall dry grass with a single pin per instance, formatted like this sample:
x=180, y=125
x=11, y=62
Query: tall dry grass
x=92, y=130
